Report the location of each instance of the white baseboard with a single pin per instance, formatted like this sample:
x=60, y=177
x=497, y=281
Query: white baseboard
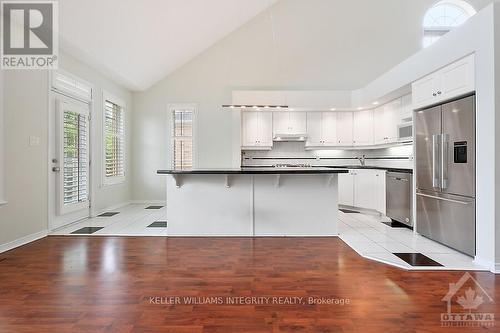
x=23, y=240
x=490, y=265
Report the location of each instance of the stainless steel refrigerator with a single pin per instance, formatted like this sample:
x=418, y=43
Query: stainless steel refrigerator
x=445, y=173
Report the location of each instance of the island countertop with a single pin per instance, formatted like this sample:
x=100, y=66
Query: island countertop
x=255, y=171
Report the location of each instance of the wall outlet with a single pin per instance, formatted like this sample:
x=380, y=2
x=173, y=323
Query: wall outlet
x=34, y=141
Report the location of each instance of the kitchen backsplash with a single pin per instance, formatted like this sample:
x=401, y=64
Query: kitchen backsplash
x=295, y=153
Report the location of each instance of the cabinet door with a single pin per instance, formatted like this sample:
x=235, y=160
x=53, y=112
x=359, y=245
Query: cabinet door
x=281, y=122
x=344, y=128
x=364, y=185
x=379, y=125
x=329, y=128
x=314, y=129
x=457, y=79
x=265, y=129
x=346, y=189
x=392, y=118
x=363, y=128
x=406, y=108
x=250, y=128
x=297, y=122
x=379, y=191
x=424, y=91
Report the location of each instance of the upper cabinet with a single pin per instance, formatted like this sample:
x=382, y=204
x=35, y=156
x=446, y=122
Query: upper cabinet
x=449, y=82
x=363, y=128
x=386, y=121
x=406, y=108
x=344, y=128
x=289, y=123
x=256, y=130
x=321, y=129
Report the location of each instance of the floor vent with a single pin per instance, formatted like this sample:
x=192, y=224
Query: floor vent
x=417, y=259
x=154, y=207
x=86, y=230
x=108, y=214
x=158, y=224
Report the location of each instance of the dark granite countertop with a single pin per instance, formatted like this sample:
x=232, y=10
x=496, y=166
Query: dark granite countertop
x=256, y=171
x=373, y=167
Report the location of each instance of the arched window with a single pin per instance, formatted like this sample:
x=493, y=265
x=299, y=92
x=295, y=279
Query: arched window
x=443, y=17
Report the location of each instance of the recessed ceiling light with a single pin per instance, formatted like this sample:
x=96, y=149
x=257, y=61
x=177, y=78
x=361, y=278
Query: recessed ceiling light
x=231, y=106
x=360, y=108
x=375, y=103
x=266, y=107
x=333, y=109
x=291, y=109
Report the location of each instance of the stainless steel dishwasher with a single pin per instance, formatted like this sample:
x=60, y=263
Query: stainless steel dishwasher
x=399, y=201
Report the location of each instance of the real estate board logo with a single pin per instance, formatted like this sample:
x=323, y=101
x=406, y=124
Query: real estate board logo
x=29, y=35
x=463, y=301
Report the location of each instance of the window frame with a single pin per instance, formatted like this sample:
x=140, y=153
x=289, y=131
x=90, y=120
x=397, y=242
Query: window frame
x=170, y=123
x=440, y=31
x=115, y=180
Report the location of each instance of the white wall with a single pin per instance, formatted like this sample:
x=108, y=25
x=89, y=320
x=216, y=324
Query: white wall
x=25, y=115
x=103, y=196
x=496, y=142
x=1, y=139
x=26, y=167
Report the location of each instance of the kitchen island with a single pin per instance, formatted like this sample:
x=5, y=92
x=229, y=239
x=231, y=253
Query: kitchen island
x=253, y=202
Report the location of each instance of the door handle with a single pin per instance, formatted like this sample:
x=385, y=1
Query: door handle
x=443, y=199
x=444, y=161
x=435, y=150
x=56, y=169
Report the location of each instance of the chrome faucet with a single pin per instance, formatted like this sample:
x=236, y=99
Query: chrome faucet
x=362, y=160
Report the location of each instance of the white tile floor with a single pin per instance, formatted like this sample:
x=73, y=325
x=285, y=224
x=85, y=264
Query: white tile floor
x=366, y=234
x=372, y=239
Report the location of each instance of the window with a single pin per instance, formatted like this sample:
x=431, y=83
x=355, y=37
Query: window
x=75, y=155
x=443, y=17
x=183, y=120
x=114, y=140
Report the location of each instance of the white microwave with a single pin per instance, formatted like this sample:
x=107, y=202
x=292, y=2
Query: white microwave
x=405, y=132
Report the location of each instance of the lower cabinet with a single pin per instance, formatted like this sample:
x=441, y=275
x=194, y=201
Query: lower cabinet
x=363, y=188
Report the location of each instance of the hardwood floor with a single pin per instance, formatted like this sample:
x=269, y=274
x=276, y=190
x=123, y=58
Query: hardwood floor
x=106, y=284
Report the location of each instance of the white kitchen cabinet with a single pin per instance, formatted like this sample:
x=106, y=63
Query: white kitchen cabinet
x=386, y=121
x=321, y=129
x=363, y=188
x=256, y=130
x=449, y=82
x=406, y=108
x=346, y=188
x=379, y=191
x=289, y=123
x=363, y=128
x=344, y=129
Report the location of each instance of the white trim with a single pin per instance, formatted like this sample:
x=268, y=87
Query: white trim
x=54, y=94
x=119, y=180
x=490, y=265
x=23, y=241
x=170, y=108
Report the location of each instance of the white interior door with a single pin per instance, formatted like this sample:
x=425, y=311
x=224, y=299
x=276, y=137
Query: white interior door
x=69, y=172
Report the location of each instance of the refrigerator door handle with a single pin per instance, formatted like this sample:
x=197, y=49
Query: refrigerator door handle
x=435, y=159
x=444, y=161
x=443, y=199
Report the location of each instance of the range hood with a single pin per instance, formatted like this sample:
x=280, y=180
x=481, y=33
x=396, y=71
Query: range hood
x=290, y=137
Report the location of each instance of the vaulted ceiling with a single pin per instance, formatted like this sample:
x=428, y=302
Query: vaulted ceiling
x=338, y=44
x=138, y=42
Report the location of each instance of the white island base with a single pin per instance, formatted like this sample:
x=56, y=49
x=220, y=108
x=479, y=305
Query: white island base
x=252, y=204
